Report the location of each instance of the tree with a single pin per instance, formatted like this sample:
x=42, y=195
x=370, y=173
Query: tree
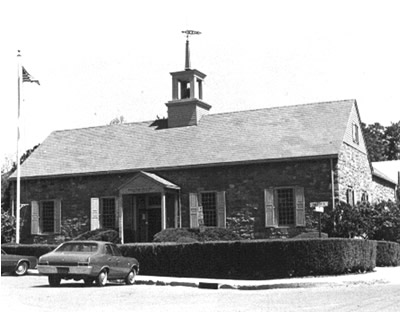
x=392, y=134
x=383, y=143
x=374, y=136
x=118, y=120
x=6, y=171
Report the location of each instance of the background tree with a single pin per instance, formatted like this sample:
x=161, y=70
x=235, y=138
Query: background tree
x=392, y=134
x=383, y=143
x=118, y=120
x=7, y=170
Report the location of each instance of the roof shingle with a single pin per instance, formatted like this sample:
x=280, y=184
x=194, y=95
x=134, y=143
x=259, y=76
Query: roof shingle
x=308, y=130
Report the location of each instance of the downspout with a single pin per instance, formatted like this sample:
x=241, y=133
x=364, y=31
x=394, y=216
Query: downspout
x=333, y=184
x=180, y=208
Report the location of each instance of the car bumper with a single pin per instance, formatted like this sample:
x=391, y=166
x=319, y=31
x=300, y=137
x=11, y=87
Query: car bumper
x=63, y=270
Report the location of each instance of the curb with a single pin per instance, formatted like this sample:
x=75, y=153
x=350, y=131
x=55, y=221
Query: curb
x=256, y=285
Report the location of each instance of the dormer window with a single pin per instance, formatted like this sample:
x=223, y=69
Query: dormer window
x=356, y=134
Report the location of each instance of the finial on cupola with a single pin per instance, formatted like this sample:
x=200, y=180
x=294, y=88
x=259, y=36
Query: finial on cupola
x=187, y=56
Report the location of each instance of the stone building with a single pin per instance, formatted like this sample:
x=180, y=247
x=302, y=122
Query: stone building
x=254, y=171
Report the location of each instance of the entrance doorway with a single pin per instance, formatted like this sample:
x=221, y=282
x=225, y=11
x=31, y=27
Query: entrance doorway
x=142, y=217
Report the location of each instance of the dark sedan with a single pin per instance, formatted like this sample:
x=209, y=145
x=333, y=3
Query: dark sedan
x=90, y=261
x=17, y=264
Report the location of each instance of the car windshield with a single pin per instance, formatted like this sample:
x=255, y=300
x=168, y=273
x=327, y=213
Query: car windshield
x=77, y=247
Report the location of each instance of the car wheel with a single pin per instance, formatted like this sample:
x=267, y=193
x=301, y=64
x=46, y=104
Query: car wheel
x=88, y=281
x=22, y=268
x=101, y=279
x=130, y=278
x=54, y=281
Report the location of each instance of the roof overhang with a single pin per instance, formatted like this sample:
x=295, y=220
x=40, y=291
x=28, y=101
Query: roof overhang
x=195, y=166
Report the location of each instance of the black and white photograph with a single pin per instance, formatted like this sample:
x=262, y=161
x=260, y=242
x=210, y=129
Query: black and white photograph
x=200, y=155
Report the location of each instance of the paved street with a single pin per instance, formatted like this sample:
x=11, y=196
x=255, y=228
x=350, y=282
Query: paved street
x=32, y=293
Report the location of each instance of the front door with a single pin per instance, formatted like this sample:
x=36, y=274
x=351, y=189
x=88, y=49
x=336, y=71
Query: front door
x=149, y=216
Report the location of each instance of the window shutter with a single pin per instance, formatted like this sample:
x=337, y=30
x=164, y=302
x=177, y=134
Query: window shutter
x=35, y=217
x=94, y=214
x=271, y=215
x=57, y=216
x=221, y=210
x=193, y=206
x=300, y=207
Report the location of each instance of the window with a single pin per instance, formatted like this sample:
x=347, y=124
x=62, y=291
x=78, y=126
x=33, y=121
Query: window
x=45, y=217
x=350, y=196
x=213, y=208
x=356, y=135
x=364, y=197
x=284, y=206
x=209, y=203
x=108, y=213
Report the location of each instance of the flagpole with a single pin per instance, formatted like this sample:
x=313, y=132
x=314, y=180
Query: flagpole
x=18, y=205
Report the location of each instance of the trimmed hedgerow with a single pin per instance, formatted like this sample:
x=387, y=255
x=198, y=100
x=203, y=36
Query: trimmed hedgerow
x=35, y=250
x=260, y=259
x=387, y=254
x=107, y=235
x=190, y=235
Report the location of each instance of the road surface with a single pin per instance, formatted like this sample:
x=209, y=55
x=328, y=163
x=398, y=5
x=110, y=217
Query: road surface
x=32, y=293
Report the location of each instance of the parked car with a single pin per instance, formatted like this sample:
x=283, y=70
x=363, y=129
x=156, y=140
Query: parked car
x=17, y=264
x=88, y=260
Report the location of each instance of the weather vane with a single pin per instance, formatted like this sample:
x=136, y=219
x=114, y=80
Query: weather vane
x=190, y=32
x=187, y=57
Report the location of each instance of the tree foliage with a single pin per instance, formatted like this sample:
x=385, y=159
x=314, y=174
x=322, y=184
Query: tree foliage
x=118, y=120
x=7, y=226
x=6, y=172
x=383, y=143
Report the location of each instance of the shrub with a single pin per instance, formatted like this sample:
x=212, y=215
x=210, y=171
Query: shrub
x=195, y=235
x=380, y=221
x=387, y=254
x=7, y=227
x=106, y=235
x=258, y=259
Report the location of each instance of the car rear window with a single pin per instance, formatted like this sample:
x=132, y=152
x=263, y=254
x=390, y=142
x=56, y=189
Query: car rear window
x=77, y=247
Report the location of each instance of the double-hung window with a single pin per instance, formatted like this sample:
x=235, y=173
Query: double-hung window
x=103, y=213
x=284, y=206
x=46, y=217
x=208, y=209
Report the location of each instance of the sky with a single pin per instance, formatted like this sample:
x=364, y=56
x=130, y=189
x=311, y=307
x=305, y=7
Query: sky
x=97, y=60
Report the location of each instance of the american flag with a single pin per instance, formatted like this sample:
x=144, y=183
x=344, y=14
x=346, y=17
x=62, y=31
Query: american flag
x=27, y=77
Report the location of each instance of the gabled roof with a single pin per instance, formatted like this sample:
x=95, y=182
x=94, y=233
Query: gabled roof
x=298, y=131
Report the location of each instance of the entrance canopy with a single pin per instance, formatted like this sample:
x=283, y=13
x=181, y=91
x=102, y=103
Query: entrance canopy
x=145, y=182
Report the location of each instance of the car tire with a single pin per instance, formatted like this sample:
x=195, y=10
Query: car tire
x=101, y=279
x=54, y=280
x=130, y=278
x=88, y=281
x=22, y=268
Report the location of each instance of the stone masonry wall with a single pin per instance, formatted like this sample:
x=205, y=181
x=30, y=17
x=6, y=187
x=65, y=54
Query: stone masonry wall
x=383, y=190
x=244, y=186
x=353, y=171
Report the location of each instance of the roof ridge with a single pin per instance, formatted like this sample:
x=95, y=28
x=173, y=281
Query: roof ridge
x=104, y=126
x=282, y=106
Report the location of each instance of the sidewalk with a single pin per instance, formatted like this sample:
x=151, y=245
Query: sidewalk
x=380, y=275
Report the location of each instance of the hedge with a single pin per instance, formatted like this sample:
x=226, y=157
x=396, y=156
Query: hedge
x=259, y=259
x=246, y=259
x=36, y=250
x=387, y=253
